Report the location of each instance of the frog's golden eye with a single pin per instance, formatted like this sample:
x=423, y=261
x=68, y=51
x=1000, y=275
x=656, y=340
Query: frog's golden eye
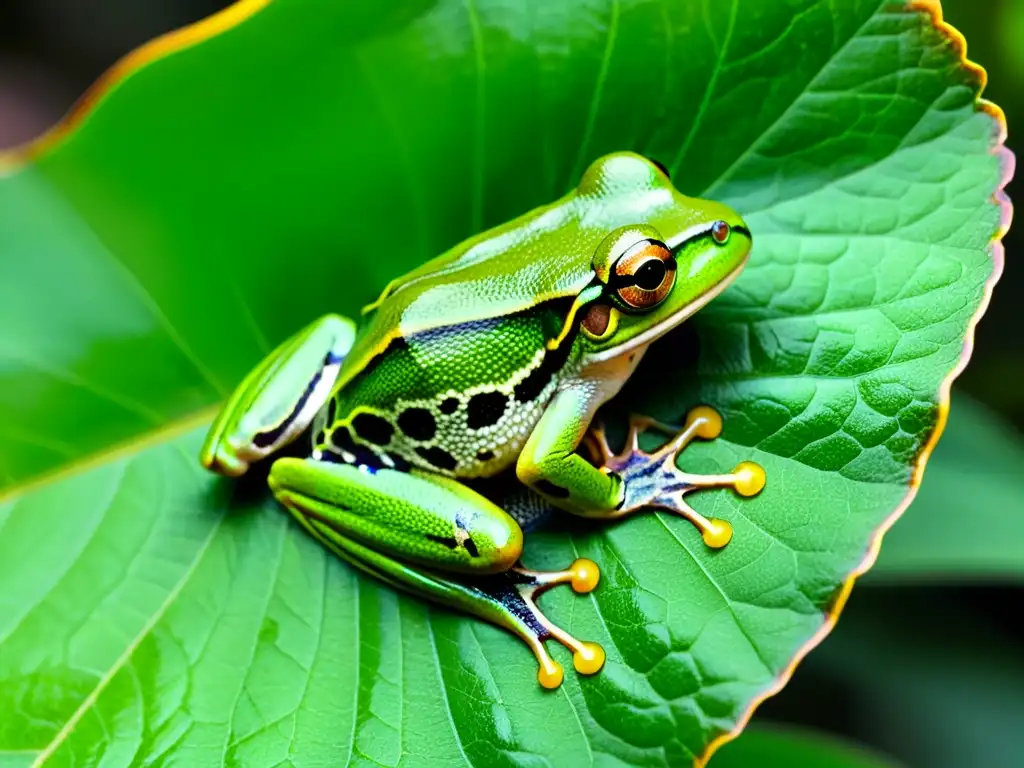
x=720, y=232
x=643, y=276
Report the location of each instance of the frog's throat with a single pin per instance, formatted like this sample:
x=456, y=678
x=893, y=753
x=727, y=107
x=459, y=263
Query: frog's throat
x=657, y=331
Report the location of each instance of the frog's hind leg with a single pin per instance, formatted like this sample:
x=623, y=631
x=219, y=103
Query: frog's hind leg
x=507, y=600
x=279, y=398
x=654, y=480
x=438, y=539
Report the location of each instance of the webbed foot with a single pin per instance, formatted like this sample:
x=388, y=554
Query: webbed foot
x=654, y=480
x=516, y=591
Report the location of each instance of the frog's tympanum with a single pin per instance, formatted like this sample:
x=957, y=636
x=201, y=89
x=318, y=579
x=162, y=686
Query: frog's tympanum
x=492, y=357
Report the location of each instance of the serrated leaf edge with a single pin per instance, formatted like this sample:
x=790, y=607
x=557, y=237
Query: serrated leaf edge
x=933, y=9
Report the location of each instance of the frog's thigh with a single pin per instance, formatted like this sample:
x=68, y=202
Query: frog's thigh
x=408, y=529
x=414, y=516
x=279, y=398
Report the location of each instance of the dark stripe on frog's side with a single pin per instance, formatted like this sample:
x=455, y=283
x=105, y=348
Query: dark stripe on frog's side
x=415, y=392
x=341, y=439
x=361, y=457
x=554, y=360
x=459, y=358
x=339, y=444
x=271, y=436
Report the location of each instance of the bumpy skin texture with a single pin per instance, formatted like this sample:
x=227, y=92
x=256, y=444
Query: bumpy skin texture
x=495, y=354
x=457, y=401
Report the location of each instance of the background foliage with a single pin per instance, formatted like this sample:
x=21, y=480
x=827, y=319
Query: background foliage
x=942, y=678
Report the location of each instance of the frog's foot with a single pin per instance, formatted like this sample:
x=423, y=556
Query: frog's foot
x=516, y=592
x=439, y=540
x=279, y=398
x=654, y=480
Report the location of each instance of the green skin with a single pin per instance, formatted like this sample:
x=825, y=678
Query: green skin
x=481, y=360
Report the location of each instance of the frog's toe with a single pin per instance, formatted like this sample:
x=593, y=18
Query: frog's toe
x=517, y=591
x=224, y=461
x=595, y=441
x=654, y=480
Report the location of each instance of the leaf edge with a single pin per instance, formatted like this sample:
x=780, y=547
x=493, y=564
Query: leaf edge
x=932, y=9
x=14, y=158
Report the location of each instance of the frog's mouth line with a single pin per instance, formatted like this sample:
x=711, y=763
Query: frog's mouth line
x=666, y=325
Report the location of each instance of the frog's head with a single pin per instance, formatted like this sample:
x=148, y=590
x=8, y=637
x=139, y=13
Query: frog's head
x=676, y=254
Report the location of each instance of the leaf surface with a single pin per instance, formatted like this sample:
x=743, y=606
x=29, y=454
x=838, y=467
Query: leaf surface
x=233, y=186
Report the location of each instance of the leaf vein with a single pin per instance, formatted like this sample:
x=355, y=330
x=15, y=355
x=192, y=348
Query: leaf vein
x=90, y=700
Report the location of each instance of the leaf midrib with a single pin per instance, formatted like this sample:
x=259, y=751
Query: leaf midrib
x=131, y=447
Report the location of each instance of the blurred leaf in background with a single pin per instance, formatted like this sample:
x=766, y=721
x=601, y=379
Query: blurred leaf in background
x=967, y=522
x=796, y=748
x=920, y=676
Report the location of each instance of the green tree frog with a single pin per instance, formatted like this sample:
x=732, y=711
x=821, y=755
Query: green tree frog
x=494, y=357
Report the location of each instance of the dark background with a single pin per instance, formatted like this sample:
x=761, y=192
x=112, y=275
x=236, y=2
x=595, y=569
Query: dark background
x=52, y=50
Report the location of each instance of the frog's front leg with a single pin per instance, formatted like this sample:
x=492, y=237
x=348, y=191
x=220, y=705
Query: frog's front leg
x=623, y=483
x=654, y=480
x=279, y=398
x=436, y=538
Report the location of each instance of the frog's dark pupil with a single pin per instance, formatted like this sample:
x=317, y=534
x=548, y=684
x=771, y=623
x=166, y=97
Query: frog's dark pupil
x=650, y=275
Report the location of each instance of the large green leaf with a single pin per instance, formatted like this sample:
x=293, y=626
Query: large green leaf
x=218, y=198
x=967, y=522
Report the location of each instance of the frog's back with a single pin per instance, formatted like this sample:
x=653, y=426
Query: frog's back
x=541, y=256
x=497, y=274
x=460, y=400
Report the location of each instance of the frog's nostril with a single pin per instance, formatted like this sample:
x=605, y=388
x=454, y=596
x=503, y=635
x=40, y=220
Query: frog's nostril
x=720, y=231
